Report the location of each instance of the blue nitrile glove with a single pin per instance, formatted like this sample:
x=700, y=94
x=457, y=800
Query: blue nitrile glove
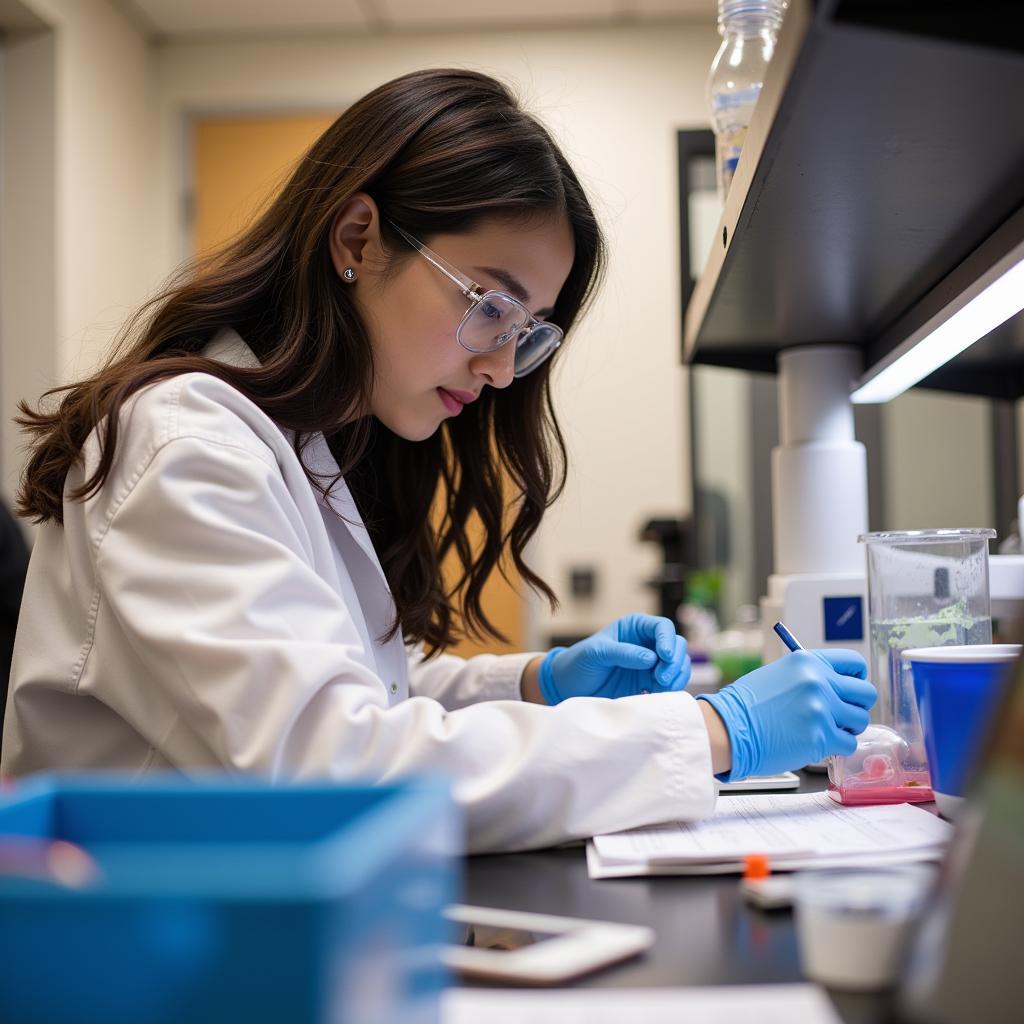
x=635, y=654
x=794, y=711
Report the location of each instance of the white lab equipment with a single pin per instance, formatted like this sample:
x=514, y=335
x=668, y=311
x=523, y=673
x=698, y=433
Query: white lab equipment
x=819, y=500
x=1006, y=586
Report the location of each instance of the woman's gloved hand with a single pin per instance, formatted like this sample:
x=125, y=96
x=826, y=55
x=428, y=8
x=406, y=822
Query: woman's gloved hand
x=799, y=709
x=635, y=654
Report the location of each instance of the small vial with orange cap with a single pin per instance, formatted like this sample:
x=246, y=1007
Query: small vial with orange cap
x=761, y=888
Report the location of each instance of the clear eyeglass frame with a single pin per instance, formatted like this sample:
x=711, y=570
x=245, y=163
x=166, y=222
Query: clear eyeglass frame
x=531, y=327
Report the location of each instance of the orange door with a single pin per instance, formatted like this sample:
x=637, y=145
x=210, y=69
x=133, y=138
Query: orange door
x=239, y=164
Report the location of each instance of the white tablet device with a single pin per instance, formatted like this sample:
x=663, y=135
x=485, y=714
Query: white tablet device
x=764, y=783
x=537, y=949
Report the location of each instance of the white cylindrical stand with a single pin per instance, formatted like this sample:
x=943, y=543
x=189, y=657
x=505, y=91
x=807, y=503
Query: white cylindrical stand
x=819, y=471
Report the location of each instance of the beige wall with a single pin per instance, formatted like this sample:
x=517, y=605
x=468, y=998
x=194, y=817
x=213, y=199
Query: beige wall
x=28, y=241
x=937, y=441
x=614, y=98
x=79, y=255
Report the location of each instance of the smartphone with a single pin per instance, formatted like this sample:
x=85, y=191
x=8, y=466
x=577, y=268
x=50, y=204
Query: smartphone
x=536, y=949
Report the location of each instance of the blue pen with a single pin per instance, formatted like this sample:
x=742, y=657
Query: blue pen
x=787, y=638
x=793, y=644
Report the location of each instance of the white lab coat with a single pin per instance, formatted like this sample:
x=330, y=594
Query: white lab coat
x=208, y=609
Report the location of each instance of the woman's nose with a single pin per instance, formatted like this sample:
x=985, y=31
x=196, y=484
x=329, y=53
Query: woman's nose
x=497, y=367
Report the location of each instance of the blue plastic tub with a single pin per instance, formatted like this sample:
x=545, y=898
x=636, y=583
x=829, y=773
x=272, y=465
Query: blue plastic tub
x=230, y=901
x=957, y=690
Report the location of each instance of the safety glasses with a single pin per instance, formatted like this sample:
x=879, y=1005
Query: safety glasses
x=494, y=318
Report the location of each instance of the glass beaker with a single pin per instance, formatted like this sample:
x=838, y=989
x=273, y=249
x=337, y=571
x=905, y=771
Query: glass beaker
x=926, y=588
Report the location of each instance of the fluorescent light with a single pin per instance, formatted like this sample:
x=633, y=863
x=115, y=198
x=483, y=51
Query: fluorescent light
x=945, y=336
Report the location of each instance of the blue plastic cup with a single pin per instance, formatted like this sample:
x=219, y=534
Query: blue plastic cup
x=957, y=690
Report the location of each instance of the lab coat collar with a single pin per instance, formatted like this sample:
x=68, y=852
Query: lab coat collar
x=228, y=346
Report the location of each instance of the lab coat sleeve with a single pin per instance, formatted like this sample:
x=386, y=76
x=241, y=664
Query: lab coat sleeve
x=208, y=566
x=458, y=682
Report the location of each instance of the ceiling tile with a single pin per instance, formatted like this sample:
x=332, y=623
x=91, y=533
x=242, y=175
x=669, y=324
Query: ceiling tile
x=475, y=13
x=248, y=17
x=706, y=10
x=16, y=17
x=198, y=17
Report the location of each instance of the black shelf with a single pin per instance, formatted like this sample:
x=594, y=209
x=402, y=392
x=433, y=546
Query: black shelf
x=886, y=148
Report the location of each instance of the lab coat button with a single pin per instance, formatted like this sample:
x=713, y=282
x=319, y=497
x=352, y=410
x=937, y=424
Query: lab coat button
x=394, y=687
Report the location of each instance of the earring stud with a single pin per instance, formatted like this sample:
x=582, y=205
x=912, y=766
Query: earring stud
x=349, y=274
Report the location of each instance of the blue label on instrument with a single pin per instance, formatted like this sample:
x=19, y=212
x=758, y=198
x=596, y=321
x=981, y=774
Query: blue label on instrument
x=844, y=618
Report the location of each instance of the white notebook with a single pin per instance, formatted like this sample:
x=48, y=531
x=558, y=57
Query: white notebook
x=794, y=830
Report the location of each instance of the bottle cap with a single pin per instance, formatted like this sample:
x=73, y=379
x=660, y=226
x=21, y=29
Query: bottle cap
x=755, y=865
x=771, y=10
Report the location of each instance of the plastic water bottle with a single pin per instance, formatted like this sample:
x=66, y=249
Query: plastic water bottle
x=748, y=29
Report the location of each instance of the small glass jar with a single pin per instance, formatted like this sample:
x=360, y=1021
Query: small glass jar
x=749, y=29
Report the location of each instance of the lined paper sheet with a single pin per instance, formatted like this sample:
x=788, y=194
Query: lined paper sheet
x=801, y=827
x=765, y=1004
x=598, y=868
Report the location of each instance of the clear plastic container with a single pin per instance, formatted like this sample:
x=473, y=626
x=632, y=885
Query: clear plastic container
x=884, y=769
x=926, y=588
x=748, y=29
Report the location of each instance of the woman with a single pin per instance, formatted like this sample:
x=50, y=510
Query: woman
x=237, y=568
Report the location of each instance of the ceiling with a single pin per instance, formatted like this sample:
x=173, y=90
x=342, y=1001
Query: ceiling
x=176, y=18
x=16, y=17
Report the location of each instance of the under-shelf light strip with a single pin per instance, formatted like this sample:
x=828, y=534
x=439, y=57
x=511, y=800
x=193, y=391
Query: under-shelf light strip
x=992, y=306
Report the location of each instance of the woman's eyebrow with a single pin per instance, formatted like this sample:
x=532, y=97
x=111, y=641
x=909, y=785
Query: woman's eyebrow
x=511, y=284
x=514, y=287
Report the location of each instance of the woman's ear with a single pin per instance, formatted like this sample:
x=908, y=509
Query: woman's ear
x=354, y=231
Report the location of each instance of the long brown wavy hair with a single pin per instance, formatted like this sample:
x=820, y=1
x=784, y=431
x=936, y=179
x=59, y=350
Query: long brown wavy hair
x=438, y=150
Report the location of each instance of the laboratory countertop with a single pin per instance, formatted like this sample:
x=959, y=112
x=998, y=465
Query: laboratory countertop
x=706, y=933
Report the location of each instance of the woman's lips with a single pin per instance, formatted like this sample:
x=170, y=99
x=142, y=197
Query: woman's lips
x=451, y=403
